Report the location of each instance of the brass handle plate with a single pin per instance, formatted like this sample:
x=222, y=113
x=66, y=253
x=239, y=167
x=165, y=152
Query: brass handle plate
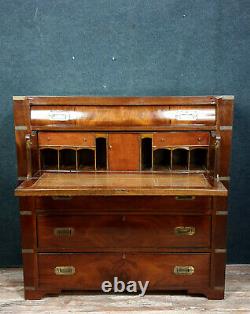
x=181, y=230
x=185, y=198
x=64, y=232
x=64, y=270
x=61, y=198
x=184, y=270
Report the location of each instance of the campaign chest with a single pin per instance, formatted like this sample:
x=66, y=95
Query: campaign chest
x=127, y=187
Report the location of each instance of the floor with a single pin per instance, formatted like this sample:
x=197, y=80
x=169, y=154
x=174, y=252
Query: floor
x=237, y=299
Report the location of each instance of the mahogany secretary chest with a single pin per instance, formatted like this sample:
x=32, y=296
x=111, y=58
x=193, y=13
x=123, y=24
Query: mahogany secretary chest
x=127, y=187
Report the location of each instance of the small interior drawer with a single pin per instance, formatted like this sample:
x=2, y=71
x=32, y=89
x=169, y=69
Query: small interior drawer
x=81, y=139
x=123, y=231
x=88, y=271
x=180, y=138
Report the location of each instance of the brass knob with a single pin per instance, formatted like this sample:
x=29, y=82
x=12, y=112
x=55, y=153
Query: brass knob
x=84, y=139
x=110, y=147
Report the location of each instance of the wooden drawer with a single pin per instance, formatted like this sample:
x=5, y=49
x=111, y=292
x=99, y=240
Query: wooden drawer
x=66, y=139
x=121, y=116
x=198, y=204
x=180, y=138
x=122, y=231
x=91, y=269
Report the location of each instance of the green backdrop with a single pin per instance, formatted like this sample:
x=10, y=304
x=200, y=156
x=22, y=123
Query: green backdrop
x=125, y=47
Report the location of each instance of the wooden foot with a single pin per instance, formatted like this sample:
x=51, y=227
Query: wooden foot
x=211, y=294
x=33, y=294
x=38, y=294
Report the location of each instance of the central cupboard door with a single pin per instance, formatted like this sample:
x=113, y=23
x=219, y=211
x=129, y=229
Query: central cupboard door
x=124, y=152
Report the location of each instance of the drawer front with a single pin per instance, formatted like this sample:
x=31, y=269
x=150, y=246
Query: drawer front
x=125, y=117
x=180, y=138
x=66, y=139
x=88, y=271
x=122, y=231
x=197, y=204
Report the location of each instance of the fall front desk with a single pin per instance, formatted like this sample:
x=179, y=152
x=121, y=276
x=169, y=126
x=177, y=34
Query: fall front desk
x=127, y=187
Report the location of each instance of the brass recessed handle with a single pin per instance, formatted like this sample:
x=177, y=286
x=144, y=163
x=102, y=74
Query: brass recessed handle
x=62, y=232
x=185, y=198
x=184, y=270
x=61, y=198
x=64, y=270
x=181, y=230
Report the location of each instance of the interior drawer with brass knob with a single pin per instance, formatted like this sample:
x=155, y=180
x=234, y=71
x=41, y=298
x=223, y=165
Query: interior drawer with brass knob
x=81, y=139
x=163, y=139
x=123, y=231
x=88, y=270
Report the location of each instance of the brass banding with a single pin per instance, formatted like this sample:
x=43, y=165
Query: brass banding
x=25, y=212
x=220, y=251
x=226, y=128
x=21, y=128
x=221, y=213
x=27, y=251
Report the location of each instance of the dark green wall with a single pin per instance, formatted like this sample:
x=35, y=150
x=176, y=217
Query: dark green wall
x=125, y=47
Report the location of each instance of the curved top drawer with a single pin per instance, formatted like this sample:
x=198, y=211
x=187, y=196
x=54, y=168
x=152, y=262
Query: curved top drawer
x=122, y=117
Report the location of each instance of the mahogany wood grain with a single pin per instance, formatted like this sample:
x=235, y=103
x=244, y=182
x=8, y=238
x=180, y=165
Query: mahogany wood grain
x=226, y=111
x=220, y=232
x=225, y=155
x=129, y=117
x=29, y=243
x=131, y=204
x=122, y=100
x=92, y=269
x=21, y=111
x=21, y=153
x=22, y=127
x=218, y=271
x=220, y=203
x=180, y=138
x=123, y=152
x=123, y=222
x=81, y=139
x=122, y=231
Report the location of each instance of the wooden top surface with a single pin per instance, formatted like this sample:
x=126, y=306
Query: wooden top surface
x=118, y=184
x=37, y=99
